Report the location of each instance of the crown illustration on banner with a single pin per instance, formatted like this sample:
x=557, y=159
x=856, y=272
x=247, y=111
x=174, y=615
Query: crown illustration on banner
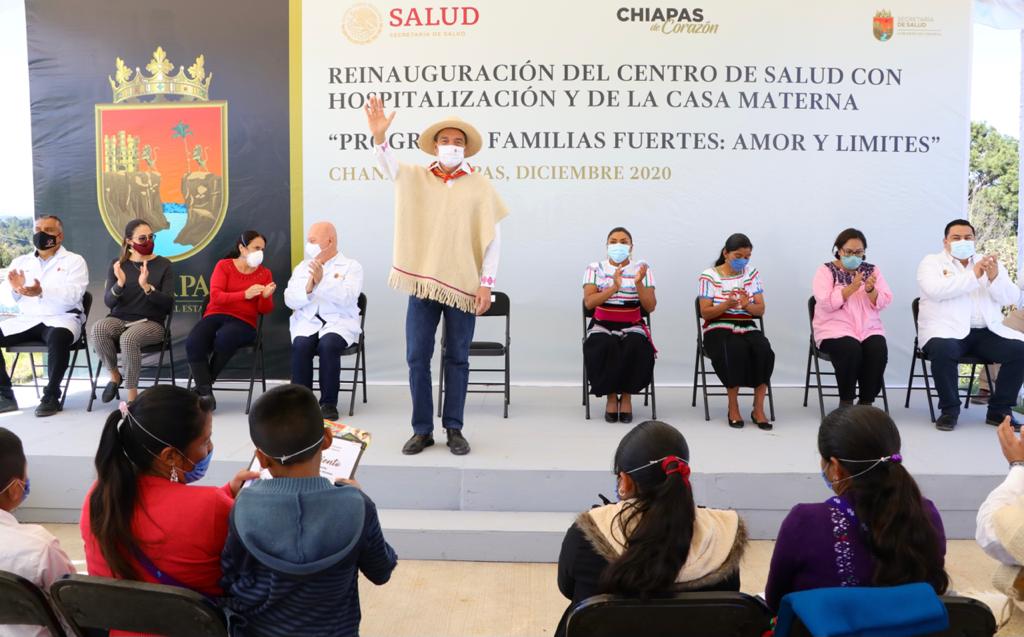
x=191, y=84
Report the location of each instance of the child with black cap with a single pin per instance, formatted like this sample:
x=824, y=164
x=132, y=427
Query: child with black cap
x=297, y=543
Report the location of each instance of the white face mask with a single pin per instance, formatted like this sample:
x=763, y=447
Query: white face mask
x=312, y=250
x=254, y=258
x=450, y=156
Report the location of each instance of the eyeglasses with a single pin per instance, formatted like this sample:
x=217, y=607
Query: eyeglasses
x=143, y=238
x=853, y=253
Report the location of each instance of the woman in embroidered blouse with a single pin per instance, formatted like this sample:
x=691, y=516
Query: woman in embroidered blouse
x=618, y=352
x=731, y=298
x=850, y=295
x=876, y=530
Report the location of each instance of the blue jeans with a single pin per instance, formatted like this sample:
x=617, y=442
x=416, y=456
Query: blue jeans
x=983, y=343
x=328, y=348
x=421, y=320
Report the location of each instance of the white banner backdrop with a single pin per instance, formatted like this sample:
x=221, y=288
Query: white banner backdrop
x=788, y=121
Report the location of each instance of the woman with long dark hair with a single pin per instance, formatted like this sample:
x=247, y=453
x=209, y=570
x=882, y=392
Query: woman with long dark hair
x=241, y=289
x=876, y=530
x=141, y=521
x=731, y=299
x=618, y=351
x=654, y=541
x=140, y=294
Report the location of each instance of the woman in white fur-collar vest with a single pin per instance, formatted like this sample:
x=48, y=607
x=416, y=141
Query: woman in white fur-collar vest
x=655, y=541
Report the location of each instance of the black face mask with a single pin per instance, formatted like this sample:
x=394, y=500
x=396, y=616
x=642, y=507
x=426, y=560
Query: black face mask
x=44, y=241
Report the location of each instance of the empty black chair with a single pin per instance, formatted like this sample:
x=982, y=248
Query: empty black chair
x=108, y=604
x=23, y=603
x=700, y=372
x=930, y=391
x=39, y=347
x=814, y=354
x=358, y=369
x=967, y=618
x=685, y=615
x=649, y=393
x=500, y=306
x=256, y=349
x=164, y=347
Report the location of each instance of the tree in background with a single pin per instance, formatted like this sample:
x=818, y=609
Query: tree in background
x=992, y=186
x=15, y=238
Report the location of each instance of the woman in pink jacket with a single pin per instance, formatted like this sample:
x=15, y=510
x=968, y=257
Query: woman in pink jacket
x=850, y=295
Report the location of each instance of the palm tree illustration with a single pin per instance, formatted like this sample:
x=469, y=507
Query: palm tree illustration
x=182, y=130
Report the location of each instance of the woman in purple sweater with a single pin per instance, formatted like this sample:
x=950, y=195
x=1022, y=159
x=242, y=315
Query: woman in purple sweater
x=877, y=530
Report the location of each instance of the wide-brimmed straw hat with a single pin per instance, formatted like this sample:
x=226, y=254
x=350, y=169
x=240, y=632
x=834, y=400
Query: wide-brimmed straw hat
x=473, y=140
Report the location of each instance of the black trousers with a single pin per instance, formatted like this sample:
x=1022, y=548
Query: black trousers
x=221, y=335
x=858, y=363
x=58, y=354
x=740, y=359
x=618, y=364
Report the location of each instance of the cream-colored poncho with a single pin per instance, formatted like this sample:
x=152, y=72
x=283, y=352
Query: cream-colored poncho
x=441, y=233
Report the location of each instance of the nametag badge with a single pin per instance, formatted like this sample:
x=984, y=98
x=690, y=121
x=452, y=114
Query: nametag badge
x=492, y=298
x=946, y=273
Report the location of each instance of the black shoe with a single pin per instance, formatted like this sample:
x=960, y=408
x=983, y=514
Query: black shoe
x=48, y=406
x=110, y=392
x=206, y=396
x=763, y=425
x=946, y=422
x=456, y=442
x=611, y=416
x=626, y=417
x=736, y=424
x=8, y=404
x=329, y=412
x=997, y=419
x=417, y=443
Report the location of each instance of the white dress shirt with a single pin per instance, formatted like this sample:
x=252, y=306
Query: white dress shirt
x=63, y=279
x=34, y=553
x=335, y=299
x=954, y=299
x=489, y=268
x=1008, y=493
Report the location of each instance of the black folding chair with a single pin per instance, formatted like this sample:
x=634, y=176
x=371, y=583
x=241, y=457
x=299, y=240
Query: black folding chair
x=357, y=349
x=700, y=372
x=39, y=347
x=685, y=615
x=23, y=603
x=931, y=392
x=165, y=346
x=814, y=354
x=101, y=603
x=649, y=393
x=256, y=349
x=967, y=618
x=500, y=306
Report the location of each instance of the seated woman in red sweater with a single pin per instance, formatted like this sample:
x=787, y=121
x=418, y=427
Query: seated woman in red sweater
x=140, y=520
x=240, y=290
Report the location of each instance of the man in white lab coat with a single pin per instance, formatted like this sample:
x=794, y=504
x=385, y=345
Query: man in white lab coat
x=323, y=294
x=47, y=286
x=962, y=298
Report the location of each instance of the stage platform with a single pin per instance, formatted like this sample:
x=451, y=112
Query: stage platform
x=513, y=497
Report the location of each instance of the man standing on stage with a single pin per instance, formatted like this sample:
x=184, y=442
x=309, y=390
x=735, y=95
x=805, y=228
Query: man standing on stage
x=447, y=243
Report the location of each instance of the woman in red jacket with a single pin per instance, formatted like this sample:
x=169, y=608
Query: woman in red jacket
x=140, y=520
x=240, y=290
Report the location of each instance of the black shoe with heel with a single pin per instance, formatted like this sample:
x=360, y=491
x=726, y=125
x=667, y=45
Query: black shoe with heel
x=763, y=425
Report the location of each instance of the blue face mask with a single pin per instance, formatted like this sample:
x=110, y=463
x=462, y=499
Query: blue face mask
x=24, y=496
x=618, y=252
x=828, y=483
x=851, y=262
x=737, y=265
x=24, y=489
x=963, y=249
x=198, y=469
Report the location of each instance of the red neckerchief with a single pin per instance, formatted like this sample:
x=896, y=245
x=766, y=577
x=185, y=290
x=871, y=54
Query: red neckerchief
x=446, y=177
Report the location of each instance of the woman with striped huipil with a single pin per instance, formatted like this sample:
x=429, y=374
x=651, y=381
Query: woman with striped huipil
x=731, y=299
x=618, y=352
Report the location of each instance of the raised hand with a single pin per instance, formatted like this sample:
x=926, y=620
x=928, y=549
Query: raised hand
x=143, y=276
x=641, y=272
x=241, y=478
x=376, y=120
x=253, y=291
x=268, y=290
x=1011, y=442
x=32, y=290
x=119, y=274
x=316, y=271
x=17, y=279
x=869, y=285
x=617, y=279
x=992, y=267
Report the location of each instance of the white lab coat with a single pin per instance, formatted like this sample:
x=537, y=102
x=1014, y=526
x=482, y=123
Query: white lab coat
x=335, y=299
x=949, y=292
x=63, y=278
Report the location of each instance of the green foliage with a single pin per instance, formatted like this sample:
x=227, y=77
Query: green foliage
x=15, y=238
x=992, y=183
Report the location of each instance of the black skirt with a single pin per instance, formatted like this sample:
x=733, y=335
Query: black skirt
x=618, y=363
x=740, y=359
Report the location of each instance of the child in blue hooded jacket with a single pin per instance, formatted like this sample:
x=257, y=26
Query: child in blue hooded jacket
x=297, y=543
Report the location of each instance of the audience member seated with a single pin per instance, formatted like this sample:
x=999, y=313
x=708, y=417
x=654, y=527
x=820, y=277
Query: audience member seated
x=961, y=313
x=850, y=295
x=876, y=530
x=140, y=520
x=618, y=351
x=323, y=294
x=47, y=285
x=655, y=541
x=140, y=294
x=29, y=550
x=731, y=298
x=240, y=290
x=297, y=543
